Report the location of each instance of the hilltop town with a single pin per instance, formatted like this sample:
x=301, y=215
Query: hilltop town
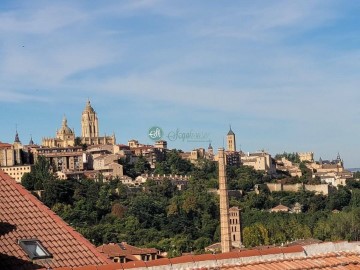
x=173, y=203
x=91, y=155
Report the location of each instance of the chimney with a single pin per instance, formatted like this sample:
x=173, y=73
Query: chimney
x=224, y=205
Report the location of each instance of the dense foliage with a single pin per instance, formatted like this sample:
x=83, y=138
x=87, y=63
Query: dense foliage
x=293, y=157
x=183, y=221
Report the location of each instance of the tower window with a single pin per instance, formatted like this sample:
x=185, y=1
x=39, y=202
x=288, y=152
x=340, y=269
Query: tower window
x=34, y=249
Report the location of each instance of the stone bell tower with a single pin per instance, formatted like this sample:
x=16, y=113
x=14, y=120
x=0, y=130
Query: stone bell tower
x=89, y=122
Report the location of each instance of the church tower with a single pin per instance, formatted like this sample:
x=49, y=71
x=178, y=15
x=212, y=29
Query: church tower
x=235, y=226
x=89, y=122
x=224, y=204
x=231, y=143
x=210, y=150
x=17, y=149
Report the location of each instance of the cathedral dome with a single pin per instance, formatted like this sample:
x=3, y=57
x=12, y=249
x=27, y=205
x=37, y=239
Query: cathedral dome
x=88, y=108
x=64, y=128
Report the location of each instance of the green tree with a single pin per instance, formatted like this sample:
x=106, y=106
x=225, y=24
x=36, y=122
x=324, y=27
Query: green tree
x=255, y=235
x=174, y=164
x=141, y=165
x=40, y=174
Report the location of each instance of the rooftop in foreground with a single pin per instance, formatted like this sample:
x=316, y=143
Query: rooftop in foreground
x=33, y=237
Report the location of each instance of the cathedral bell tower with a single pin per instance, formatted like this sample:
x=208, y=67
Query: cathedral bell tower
x=89, y=122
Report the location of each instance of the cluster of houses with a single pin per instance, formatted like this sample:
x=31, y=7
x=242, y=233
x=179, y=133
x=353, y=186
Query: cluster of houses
x=92, y=154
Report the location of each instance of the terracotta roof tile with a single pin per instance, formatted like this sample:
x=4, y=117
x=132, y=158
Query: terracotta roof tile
x=228, y=255
x=32, y=219
x=204, y=257
x=182, y=259
x=124, y=249
x=292, y=249
x=158, y=262
x=89, y=267
x=270, y=251
x=136, y=264
x=329, y=261
x=249, y=253
x=111, y=266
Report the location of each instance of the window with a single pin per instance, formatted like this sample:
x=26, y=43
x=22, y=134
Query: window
x=34, y=249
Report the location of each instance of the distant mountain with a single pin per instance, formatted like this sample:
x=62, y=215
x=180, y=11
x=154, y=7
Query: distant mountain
x=354, y=169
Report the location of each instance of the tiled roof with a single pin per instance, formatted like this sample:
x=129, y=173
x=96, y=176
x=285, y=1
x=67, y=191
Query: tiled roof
x=329, y=261
x=269, y=258
x=23, y=216
x=5, y=145
x=124, y=249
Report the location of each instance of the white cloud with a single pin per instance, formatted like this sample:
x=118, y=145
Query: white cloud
x=40, y=20
x=15, y=97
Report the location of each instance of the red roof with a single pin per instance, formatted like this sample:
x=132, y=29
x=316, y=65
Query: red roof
x=182, y=259
x=5, y=145
x=326, y=261
x=158, y=262
x=123, y=249
x=23, y=216
x=136, y=264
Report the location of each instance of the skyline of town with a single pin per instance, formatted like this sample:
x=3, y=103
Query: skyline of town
x=182, y=139
x=283, y=73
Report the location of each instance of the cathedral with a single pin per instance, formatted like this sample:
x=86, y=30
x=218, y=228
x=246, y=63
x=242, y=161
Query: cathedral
x=90, y=128
x=65, y=137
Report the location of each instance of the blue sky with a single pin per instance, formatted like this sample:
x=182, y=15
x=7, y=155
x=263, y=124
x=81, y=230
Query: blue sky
x=284, y=74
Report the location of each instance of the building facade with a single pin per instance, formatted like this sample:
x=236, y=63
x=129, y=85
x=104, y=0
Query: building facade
x=230, y=140
x=15, y=159
x=90, y=128
x=62, y=158
x=235, y=227
x=64, y=137
x=260, y=161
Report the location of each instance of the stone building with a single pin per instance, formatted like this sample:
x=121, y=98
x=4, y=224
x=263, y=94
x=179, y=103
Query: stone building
x=306, y=156
x=230, y=140
x=65, y=137
x=152, y=154
x=235, y=227
x=15, y=159
x=61, y=158
x=90, y=128
x=108, y=165
x=123, y=252
x=260, y=161
x=287, y=166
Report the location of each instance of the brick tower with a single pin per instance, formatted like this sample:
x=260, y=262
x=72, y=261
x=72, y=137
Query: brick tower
x=224, y=204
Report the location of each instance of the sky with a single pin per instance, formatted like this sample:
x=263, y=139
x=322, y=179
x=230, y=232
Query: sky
x=283, y=74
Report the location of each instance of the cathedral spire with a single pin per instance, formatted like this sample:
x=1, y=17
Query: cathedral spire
x=31, y=142
x=17, y=140
x=230, y=132
x=64, y=121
